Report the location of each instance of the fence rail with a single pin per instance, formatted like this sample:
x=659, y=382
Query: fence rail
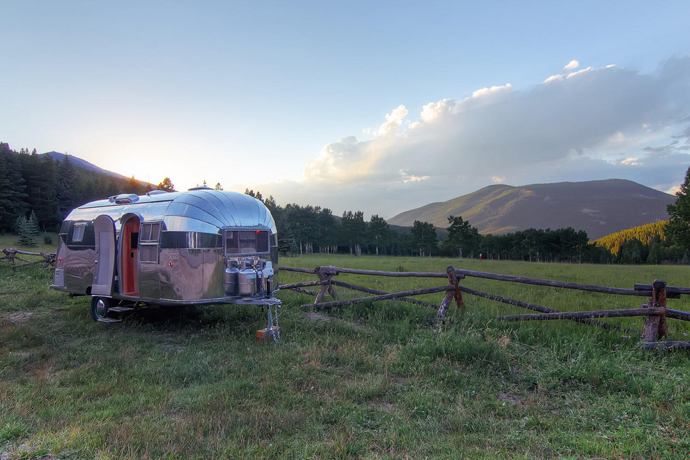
x=11, y=256
x=654, y=311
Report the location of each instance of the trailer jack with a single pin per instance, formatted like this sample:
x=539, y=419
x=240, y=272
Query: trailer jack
x=272, y=330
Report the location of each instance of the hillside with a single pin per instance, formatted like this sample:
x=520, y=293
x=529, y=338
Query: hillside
x=644, y=233
x=598, y=207
x=83, y=164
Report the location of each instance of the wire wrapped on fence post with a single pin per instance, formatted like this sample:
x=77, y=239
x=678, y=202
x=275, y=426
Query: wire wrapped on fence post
x=325, y=273
x=453, y=293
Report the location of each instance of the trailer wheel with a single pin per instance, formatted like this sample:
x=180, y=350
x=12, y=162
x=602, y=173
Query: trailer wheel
x=99, y=308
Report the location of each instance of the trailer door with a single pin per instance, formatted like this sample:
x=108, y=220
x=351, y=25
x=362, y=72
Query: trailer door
x=104, y=232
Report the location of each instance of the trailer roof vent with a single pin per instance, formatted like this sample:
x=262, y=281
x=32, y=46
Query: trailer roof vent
x=155, y=192
x=124, y=198
x=200, y=187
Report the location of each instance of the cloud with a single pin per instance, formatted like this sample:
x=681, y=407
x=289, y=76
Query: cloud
x=573, y=64
x=406, y=178
x=553, y=78
x=630, y=161
x=393, y=121
x=435, y=110
x=674, y=190
x=582, y=124
x=577, y=73
x=483, y=92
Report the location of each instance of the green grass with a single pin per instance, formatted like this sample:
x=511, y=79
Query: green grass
x=375, y=381
x=9, y=240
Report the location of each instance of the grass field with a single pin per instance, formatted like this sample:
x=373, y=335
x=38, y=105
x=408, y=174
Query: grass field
x=8, y=240
x=373, y=381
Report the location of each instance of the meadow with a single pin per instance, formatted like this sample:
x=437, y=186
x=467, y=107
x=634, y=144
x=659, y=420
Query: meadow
x=372, y=380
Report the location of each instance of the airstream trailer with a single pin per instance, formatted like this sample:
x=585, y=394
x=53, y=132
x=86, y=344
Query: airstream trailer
x=197, y=247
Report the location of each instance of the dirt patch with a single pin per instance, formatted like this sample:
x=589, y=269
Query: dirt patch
x=323, y=318
x=511, y=399
x=316, y=316
x=18, y=317
x=382, y=405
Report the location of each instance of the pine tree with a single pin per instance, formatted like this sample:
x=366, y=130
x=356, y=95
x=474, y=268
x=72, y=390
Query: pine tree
x=133, y=185
x=20, y=229
x=27, y=230
x=47, y=207
x=12, y=189
x=678, y=228
x=32, y=227
x=66, y=187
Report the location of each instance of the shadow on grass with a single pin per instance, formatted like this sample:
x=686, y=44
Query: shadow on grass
x=231, y=318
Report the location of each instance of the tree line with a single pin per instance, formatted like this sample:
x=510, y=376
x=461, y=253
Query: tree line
x=36, y=184
x=312, y=229
x=35, y=189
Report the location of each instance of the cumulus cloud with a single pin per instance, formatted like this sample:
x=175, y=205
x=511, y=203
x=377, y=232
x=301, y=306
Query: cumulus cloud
x=394, y=120
x=483, y=92
x=580, y=124
x=435, y=110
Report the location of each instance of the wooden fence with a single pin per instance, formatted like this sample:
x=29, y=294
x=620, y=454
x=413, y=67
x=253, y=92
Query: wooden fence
x=12, y=256
x=655, y=310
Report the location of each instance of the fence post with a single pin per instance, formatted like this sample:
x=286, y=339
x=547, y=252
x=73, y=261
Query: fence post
x=655, y=325
x=325, y=274
x=451, y=294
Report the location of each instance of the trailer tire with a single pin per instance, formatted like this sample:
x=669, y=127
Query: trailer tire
x=99, y=308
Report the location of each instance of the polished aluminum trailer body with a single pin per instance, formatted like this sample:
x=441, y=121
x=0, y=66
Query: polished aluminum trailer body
x=202, y=246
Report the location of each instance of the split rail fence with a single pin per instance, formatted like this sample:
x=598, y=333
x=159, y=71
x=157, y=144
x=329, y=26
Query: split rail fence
x=655, y=310
x=12, y=256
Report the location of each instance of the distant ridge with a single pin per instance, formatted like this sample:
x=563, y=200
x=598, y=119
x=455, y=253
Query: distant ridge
x=599, y=207
x=83, y=164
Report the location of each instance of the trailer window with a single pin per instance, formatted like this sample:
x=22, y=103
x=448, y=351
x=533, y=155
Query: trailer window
x=246, y=241
x=79, y=235
x=149, y=232
x=148, y=242
x=261, y=241
x=78, y=232
x=190, y=240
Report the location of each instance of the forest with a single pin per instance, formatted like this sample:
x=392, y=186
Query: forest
x=34, y=183
x=40, y=190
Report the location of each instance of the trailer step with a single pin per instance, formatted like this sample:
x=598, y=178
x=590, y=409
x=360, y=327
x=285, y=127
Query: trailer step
x=109, y=320
x=120, y=309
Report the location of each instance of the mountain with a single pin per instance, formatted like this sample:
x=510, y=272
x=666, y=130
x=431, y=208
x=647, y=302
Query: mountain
x=599, y=207
x=83, y=164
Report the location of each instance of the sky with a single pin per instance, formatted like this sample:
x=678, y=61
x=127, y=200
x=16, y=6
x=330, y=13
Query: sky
x=372, y=106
